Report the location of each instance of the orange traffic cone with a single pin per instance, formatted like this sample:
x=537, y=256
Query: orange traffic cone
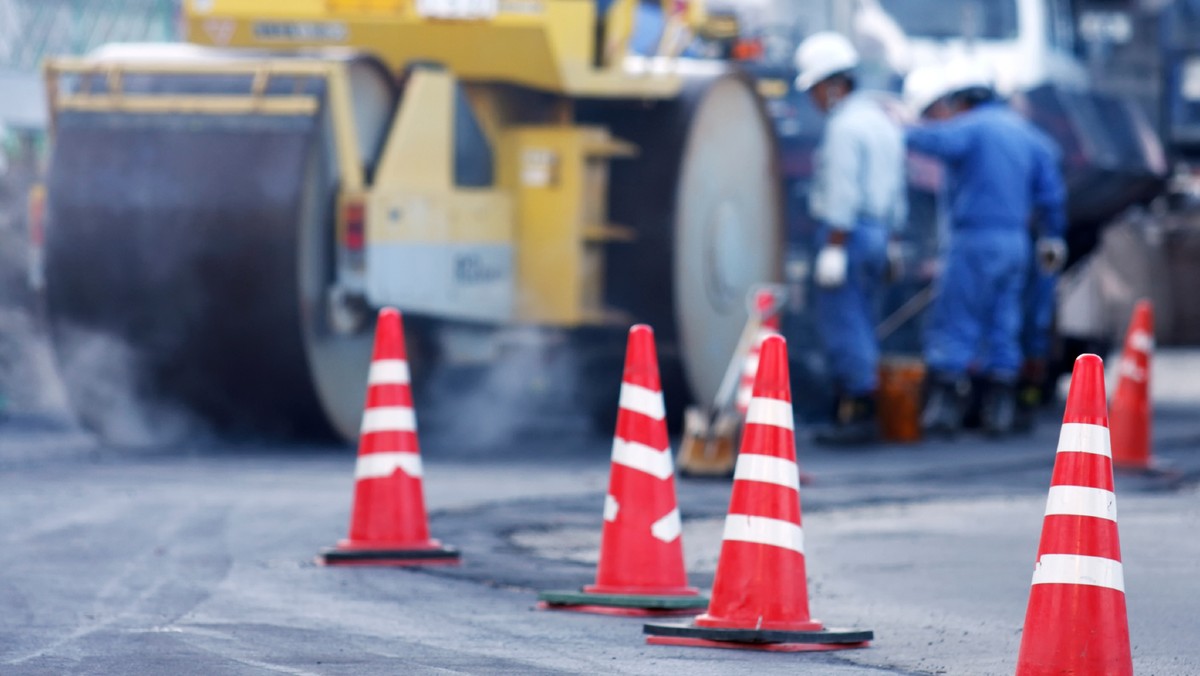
x=388, y=525
x=1131, y=404
x=760, y=594
x=765, y=304
x=1076, y=623
x=641, y=567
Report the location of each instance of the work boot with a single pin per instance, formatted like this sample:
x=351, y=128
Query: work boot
x=972, y=404
x=1031, y=387
x=854, y=423
x=999, y=412
x=944, y=407
x=1029, y=400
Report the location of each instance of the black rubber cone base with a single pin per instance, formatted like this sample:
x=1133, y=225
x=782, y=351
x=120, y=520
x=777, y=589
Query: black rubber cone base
x=622, y=604
x=757, y=639
x=441, y=556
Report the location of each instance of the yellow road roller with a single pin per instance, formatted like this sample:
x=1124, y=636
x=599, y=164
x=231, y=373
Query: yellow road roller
x=235, y=209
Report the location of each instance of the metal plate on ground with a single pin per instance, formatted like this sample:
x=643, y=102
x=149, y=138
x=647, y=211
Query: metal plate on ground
x=444, y=556
x=579, y=598
x=827, y=636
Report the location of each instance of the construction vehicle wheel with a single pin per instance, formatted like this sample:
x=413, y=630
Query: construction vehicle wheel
x=704, y=198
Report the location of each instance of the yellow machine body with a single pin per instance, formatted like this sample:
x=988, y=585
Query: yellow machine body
x=543, y=44
x=489, y=163
x=529, y=248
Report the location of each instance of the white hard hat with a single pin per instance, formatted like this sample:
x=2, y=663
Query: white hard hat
x=923, y=87
x=822, y=55
x=967, y=73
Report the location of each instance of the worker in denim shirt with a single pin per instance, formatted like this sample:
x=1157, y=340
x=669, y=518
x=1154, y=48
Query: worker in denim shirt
x=858, y=198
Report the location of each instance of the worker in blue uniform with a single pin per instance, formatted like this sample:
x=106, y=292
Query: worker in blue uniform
x=858, y=198
x=1000, y=170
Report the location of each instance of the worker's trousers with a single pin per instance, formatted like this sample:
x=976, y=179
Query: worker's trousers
x=976, y=317
x=1038, y=311
x=846, y=314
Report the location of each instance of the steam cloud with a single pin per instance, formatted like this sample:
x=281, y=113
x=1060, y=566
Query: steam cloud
x=529, y=388
x=491, y=393
x=107, y=389
x=28, y=383
x=95, y=373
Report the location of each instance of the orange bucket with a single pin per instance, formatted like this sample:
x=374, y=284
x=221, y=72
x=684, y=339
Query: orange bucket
x=900, y=383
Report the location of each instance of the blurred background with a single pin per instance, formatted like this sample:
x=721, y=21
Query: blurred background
x=1115, y=82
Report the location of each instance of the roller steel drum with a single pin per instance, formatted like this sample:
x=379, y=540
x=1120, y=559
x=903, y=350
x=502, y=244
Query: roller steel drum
x=171, y=245
x=186, y=258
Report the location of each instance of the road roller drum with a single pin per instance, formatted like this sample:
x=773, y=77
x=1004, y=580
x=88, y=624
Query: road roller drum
x=230, y=219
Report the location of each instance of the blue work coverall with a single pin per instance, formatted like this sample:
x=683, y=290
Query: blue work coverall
x=859, y=188
x=1000, y=168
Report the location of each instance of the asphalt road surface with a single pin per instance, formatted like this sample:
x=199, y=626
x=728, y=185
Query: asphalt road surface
x=198, y=558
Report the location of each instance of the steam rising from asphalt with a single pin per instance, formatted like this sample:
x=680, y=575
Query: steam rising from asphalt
x=96, y=373
x=490, y=391
x=28, y=381
x=104, y=375
x=530, y=386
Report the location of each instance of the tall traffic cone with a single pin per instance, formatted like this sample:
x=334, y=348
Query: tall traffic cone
x=1131, y=404
x=641, y=567
x=760, y=593
x=766, y=306
x=389, y=525
x=1075, y=622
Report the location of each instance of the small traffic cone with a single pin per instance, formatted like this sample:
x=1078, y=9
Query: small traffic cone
x=760, y=593
x=765, y=305
x=1075, y=622
x=388, y=526
x=641, y=569
x=1130, y=414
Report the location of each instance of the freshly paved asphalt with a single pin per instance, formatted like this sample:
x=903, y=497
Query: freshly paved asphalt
x=198, y=558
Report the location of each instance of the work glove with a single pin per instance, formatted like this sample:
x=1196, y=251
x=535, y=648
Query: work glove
x=1051, y=254
x=831, y=266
